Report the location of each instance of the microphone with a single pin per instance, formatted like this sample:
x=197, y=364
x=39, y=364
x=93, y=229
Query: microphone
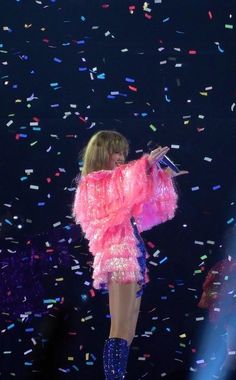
x=165, y=161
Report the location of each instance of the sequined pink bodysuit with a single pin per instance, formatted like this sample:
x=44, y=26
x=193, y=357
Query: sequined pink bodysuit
x=106, y=200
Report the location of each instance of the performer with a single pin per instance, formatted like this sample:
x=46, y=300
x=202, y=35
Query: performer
x=114, y=202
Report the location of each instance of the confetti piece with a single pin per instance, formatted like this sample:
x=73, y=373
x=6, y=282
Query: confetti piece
x=130, y=80
x=11, y=326
x=163, y=260
x=28, y=352
x=152, y=127
x=200, y=319
x=229, y=26
x=9, y=123
x=200, y=361
x=198, y=242
x=208, y=159
x=153, y=263
x=210, y=15
x=192, y=52
x=56, y=224
x=133, y=88
x=216, y=187
x=211, y=242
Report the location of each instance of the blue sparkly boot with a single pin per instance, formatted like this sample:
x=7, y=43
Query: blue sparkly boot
x=115, y=357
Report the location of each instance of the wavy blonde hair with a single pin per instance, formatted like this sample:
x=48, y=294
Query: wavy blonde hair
x=96, y=154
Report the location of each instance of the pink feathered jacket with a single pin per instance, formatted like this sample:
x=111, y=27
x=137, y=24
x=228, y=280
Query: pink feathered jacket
x=104, y=203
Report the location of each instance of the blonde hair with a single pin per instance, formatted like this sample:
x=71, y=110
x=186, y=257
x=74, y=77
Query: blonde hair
x=96, y=154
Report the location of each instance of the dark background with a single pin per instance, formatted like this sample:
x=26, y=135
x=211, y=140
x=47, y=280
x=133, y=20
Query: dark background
x=88, y=38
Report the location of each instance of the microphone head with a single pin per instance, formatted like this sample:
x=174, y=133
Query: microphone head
x=167, y=162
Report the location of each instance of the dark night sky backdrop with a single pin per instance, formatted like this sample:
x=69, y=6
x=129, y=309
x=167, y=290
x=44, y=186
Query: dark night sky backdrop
x=61, y=62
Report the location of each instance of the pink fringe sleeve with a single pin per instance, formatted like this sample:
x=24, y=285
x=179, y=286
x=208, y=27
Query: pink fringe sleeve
x=111, y=194
x=161, y=202
x=109, y=197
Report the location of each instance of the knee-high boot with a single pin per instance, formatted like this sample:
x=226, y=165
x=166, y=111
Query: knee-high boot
x=115, y=358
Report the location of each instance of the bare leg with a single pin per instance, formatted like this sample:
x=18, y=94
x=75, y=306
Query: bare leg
x=124, y=310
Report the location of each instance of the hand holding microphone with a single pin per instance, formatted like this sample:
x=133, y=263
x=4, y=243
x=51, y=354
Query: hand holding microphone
x=159, y=155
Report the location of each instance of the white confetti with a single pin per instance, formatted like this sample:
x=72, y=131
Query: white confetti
x=208, y=159
x=198, y=242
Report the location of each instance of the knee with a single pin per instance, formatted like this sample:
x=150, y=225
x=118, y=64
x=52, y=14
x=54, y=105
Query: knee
x=125, y=330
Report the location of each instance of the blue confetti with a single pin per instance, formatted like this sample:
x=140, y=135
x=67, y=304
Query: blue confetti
x=163, y=260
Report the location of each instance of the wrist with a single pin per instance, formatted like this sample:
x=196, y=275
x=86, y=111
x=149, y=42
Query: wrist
x=170, y=172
